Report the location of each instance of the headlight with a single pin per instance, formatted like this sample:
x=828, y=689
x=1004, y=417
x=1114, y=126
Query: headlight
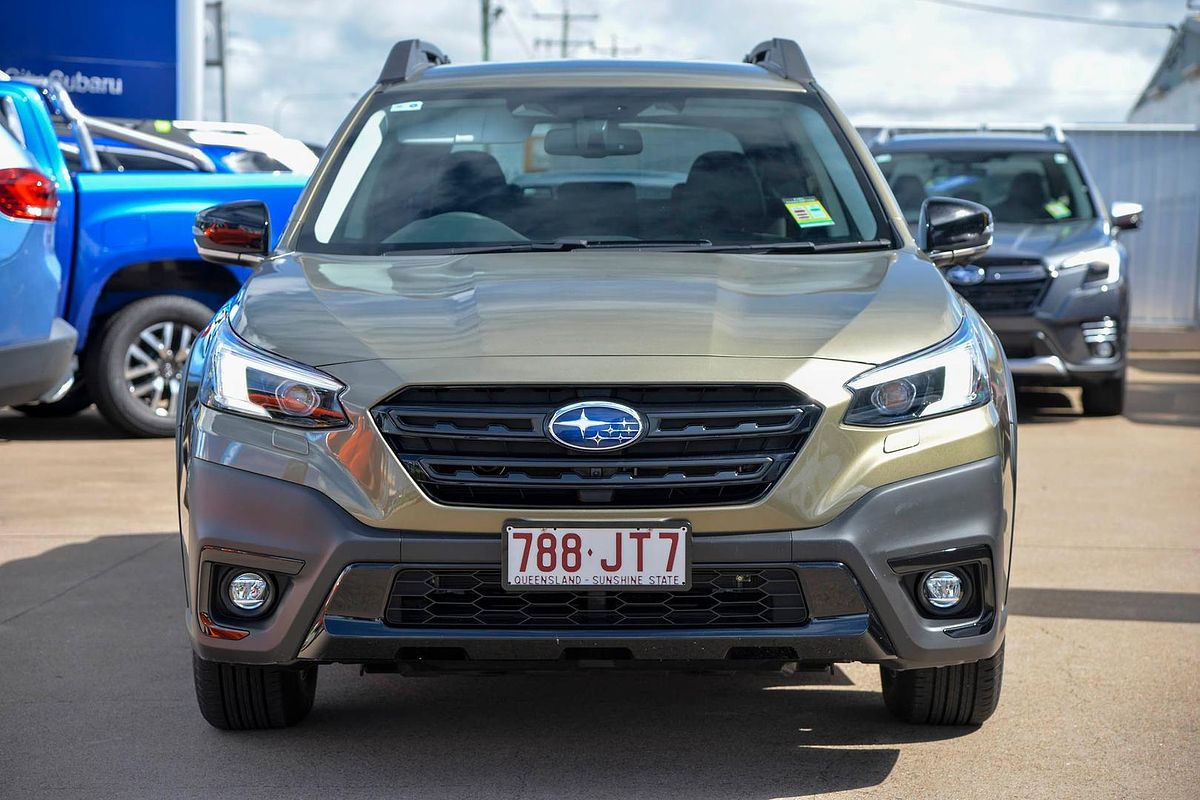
x=245, y=380
x=951, y=376
x=1103, y=264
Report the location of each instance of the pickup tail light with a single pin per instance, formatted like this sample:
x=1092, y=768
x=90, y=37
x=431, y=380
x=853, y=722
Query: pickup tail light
x=27, y=194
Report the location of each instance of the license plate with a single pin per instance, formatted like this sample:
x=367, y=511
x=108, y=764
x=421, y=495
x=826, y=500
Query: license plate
x=592, y=557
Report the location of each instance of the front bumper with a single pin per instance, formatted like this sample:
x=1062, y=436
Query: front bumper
x=29, y=370
x=1051, y=345
x=335, y=576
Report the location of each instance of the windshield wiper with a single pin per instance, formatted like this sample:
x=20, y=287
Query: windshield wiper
x=676, y=245
x=801, y=247
x=498, y=247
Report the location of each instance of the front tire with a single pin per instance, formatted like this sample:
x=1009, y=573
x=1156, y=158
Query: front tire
x=235, y=697
x=964, y=694
x=1104, y=398
x=135, y=371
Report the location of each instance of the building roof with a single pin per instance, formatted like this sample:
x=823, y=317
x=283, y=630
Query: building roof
x=1179, y=64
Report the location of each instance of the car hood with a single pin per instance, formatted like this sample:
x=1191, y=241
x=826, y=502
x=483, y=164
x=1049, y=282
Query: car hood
x=864, y=307
x=1048, y=241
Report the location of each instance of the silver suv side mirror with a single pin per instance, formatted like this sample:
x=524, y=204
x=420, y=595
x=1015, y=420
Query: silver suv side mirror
x=1126, y=216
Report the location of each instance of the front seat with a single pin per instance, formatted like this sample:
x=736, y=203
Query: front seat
x=1026, y=201
x=471, y=181
x=721, y=198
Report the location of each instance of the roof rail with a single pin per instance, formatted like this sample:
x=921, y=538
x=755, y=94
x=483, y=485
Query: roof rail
x=409, y=58
x=783, y=57
x=1054, y=133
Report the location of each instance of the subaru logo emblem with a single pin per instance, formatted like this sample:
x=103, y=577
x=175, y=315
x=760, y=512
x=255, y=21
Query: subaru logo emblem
x=595, y=425
x=965, y=275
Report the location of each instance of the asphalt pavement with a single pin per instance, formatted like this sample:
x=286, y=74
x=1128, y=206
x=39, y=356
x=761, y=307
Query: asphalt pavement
x=1100, y=687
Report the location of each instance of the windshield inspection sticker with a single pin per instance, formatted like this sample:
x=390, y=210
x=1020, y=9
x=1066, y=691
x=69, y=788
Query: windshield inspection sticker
x=411, y=105
x=1057, y=209
x=809, y=212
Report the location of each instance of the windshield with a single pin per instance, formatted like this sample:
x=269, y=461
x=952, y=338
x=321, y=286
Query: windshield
x=1019, y=187
x=428, y=170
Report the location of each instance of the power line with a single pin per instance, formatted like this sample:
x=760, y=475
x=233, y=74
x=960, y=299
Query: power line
x=1047, y=15
x=615, y=50
x=565, y=18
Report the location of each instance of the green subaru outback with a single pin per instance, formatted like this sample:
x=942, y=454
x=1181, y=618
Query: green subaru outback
x=596, y=364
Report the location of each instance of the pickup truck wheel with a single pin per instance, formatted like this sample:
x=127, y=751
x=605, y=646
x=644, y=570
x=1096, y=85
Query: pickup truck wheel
x=1104, y=398
x=75, y=400
x=136, y=371
x=964, y=694
x=234, y=697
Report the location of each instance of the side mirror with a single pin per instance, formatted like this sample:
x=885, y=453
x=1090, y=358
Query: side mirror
x=233, y=233
x=953, y=231
x=1127, y=216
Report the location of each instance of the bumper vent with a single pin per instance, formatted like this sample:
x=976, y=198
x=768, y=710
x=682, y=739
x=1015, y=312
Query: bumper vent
x=750, y=597
x=705, y=445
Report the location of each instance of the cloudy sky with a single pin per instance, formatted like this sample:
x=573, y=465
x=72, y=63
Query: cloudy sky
x=299, y=64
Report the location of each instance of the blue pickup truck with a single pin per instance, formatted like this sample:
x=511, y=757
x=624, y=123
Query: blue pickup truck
x=132, y=285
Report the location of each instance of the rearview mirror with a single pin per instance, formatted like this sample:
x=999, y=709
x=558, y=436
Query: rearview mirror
x=953, y=231
x=593, y=138
x=1127, y=216
x=233, y=233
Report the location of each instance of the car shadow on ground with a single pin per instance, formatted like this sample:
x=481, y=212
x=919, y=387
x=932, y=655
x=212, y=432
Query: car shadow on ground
x=1036, y=405
x=1161, y=390
x=84, y=426
x=1105, y=605
x=95, y=654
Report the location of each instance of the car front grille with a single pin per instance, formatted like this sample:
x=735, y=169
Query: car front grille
x=704, y=445
x=746, y=597
x=1012, y=286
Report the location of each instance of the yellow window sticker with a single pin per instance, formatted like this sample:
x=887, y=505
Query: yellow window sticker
x=1057, y=209
x=809, y=212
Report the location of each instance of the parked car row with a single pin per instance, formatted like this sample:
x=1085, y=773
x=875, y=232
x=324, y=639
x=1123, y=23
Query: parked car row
x=1055, y=286
x=117, y=240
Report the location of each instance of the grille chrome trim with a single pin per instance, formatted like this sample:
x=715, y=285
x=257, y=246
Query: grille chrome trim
x=617, y=472
x=488, y=446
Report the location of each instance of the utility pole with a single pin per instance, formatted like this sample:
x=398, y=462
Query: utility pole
x=488, y=14
x=565, y=18
x=215, y=40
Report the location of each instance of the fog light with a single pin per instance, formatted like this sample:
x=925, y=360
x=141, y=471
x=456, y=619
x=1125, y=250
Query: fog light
x=249, y=591
x=1103, y=350
x=943, y=590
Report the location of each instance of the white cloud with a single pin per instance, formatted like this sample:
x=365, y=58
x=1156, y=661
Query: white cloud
x=301, y=62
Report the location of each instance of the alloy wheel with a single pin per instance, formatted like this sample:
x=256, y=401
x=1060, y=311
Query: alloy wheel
x=154, y=365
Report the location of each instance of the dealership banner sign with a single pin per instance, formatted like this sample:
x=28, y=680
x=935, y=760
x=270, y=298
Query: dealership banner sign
x=117, y=59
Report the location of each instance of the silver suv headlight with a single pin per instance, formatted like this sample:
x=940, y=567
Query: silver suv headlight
x=948, y=377
x=242, y=379
x=1103, y=264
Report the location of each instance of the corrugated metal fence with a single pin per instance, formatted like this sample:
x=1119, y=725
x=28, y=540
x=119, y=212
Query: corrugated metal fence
x=1159, y=167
